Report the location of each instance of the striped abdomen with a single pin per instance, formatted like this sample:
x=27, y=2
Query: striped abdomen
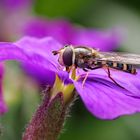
x=121, y=66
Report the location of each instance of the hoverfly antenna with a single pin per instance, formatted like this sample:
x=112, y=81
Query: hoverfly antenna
x=66, y=45
x=97, y=49
x=55, y=52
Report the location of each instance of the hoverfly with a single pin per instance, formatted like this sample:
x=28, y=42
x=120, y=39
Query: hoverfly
x=88, y=58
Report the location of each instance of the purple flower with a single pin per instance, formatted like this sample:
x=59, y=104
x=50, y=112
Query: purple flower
x=13, y=16
x=66, y=33
x=14, y=4
x=101, y=96
x=17, y=21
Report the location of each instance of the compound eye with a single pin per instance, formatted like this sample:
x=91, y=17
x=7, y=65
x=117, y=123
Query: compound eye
x=68, y=56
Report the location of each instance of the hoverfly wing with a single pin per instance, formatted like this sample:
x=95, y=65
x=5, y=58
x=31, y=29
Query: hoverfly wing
x=127, y=58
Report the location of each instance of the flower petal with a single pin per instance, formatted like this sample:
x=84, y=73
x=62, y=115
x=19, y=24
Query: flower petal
x=41, y=75
x=43, y=46
x=128, y=81
x=61, y=30
x=14, y=4
x=106, y=100
x=66, y=33
x=9, y=51
x=104, y=40
x=64, y=76
x=31, y=50
x=45, y=76
x=36, y=56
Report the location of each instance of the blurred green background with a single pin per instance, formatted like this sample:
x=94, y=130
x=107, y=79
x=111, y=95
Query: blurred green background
x=22, y=96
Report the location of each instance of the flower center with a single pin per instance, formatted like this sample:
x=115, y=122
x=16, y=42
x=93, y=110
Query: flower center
x=59, y=86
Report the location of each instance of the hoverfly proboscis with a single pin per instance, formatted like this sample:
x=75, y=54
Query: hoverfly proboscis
x=88, y=58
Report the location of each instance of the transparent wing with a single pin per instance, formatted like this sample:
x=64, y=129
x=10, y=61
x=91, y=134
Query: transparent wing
x=120, y=57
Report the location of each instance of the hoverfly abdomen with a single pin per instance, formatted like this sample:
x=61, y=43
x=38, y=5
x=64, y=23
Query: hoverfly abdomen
x=122, y=66
x=110, y=63
x=99, y=63
x=131, y=69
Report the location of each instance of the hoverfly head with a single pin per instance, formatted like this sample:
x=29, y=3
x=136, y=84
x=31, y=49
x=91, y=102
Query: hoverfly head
x=65, y=55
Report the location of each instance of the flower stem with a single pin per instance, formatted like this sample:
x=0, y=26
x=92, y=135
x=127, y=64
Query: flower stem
x=47, y=122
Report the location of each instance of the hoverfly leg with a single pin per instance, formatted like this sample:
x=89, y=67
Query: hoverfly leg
x=85, y=78
x=94, y=68
x=84, y=69
x=109, y=75
x=68, y=69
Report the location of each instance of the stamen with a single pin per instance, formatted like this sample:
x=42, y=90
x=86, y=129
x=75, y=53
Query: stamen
x=73, y=73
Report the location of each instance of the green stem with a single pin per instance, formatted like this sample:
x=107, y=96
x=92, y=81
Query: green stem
x=47, y=122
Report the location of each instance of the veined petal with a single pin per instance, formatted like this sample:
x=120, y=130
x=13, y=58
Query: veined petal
x=41, y=75
x=129, y=81
x=64, y=76
x=45, y=76
x=43, y=46
x=106, y=100
x=9, y=51
x=34, y=57
x=32, y=50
